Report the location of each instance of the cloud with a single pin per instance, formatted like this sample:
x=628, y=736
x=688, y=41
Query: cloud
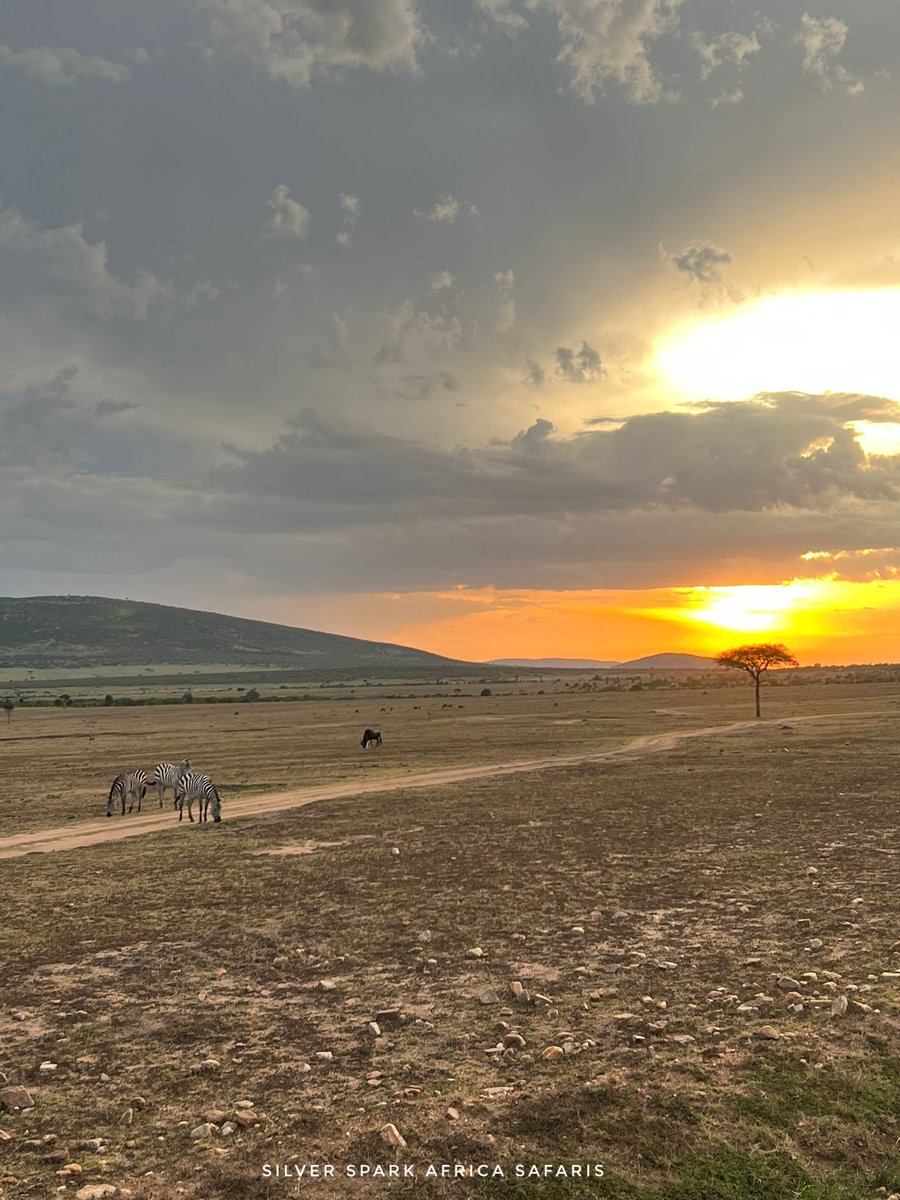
x=289, y=217
x=502, y=16
x=446, y=209
x=202, y=293
x=294, y=40
x=535, y=375
x=581, y=366
x=823, y=40
x=506, y=315
x=662, y=498
x=608, y=41
x=441, y=281
x=63, y=66
x=409, y=332
x=65, y=263
x=109, y=408
x=351, y=211
x=45, y=427
x=699, y=261
x=728, y=49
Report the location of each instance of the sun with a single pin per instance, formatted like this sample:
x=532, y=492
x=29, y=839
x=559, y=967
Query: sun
x=817, y=342
x=748, y=610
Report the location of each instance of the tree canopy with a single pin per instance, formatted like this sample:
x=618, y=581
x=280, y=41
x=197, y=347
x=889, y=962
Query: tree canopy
x=756, y=659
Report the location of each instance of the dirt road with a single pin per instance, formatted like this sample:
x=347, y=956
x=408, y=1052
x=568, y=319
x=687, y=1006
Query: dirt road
x=91, y=833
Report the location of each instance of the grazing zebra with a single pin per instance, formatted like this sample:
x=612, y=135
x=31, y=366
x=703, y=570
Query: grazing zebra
x=194, y=786
x=371, y=737
x=129, y=784
x=166, y=775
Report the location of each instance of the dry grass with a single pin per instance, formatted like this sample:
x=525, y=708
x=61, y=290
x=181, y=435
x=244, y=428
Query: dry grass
x=138, y=958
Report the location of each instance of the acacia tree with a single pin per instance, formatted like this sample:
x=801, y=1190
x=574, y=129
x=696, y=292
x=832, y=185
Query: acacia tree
x=8, y=706
x=756, y=660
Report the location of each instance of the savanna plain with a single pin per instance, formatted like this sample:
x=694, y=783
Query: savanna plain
x=678, y=958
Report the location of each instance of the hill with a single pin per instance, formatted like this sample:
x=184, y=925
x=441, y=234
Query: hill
x=670, y=662
x=88, y=631
x=560, y=664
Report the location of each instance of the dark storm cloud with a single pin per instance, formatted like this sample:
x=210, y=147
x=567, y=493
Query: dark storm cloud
x=655, y=500
x=339, y=206
x=789, y=450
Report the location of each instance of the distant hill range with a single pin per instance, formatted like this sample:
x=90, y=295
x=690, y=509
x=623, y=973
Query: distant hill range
x=669, y=662
x=654, y=662
x=88, y=631
x=558, y=664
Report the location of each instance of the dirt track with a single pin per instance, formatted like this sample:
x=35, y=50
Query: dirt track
x=72, y=837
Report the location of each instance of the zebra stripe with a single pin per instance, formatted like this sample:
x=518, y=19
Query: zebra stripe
x=166, y=775
x=194, y=786
x=131, y=784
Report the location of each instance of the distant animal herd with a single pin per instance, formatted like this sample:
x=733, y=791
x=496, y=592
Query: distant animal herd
x=131, y=786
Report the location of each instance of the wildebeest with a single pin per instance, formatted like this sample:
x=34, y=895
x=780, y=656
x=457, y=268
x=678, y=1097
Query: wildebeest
x=371, y=737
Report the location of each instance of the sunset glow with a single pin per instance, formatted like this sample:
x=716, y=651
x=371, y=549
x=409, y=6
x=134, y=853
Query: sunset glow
x=818, y=342
x=821, y=619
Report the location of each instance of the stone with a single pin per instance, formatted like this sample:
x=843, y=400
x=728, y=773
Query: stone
x=324, y=1055
x=206, y=1064
x=488, y=996
x=839, y=1006
x=552, y=1053
x=389, y=1018
x=15, y=1097
x=787, y=984
x=374, y=1028
x=228, y=1129
x=97, y=1191
x=202, y=1131
x=517, y=989
x=816, y=944
x=327, y=985
x=768, y=1032
x=452, y=1114
x=95, y=1145
x=475, y=952
x=48, y=1067
x=392, y=1135
x=245, y=1117
x=215, y=1116
x=515, y=1040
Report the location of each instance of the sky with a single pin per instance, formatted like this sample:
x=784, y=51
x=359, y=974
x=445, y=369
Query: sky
x=496, y=327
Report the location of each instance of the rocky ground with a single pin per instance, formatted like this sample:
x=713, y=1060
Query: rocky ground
x=684, y=969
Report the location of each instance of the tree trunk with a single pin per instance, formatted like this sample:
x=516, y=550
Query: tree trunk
x=758, y=713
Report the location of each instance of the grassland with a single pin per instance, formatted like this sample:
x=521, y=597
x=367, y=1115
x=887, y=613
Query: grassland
x=739, y=860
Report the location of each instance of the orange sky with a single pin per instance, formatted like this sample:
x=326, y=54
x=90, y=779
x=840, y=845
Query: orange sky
x=821, y=619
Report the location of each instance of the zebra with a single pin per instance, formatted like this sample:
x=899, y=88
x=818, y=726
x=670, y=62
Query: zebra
x=166, y=775
x=371, y=737
x=129, y=784
x=194, y=786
